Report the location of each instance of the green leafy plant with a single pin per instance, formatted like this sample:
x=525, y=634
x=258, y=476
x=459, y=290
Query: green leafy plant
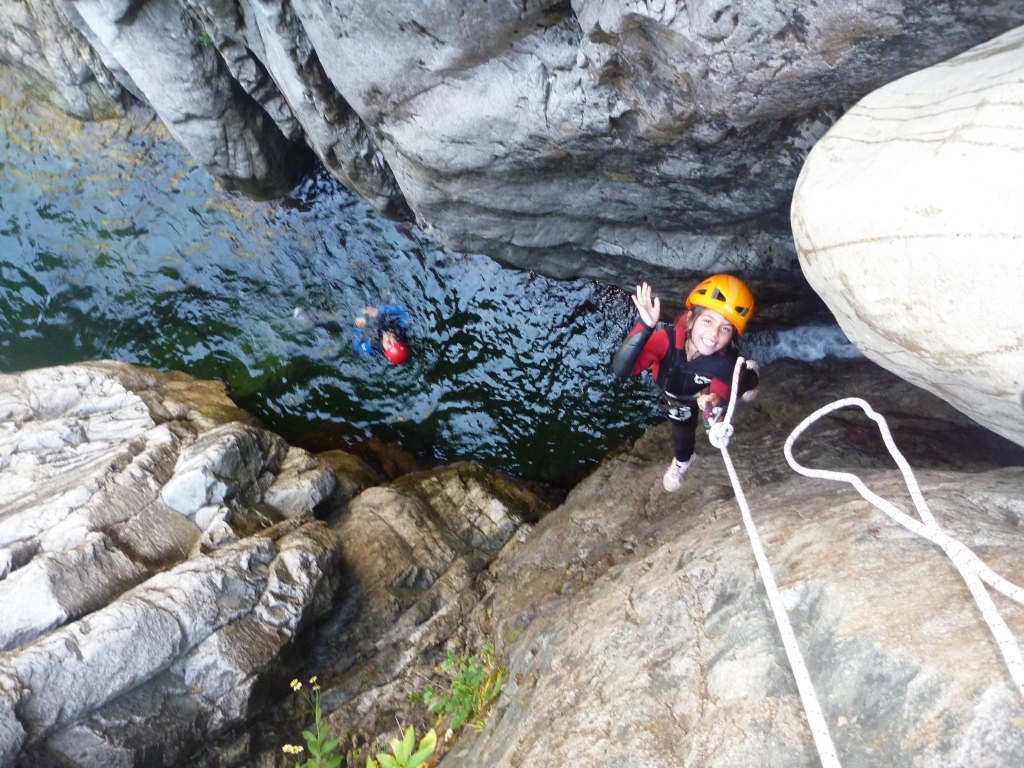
x=204, y=38
x=321, y=748
x=474, y=684
x=402, y=755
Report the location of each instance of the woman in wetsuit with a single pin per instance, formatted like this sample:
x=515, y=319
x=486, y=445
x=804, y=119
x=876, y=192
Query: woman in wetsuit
x=691, y=361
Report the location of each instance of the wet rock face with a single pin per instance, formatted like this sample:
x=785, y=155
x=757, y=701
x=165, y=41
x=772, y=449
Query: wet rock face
x=634, y=621
x=615, y=140
x=414, y=557
x=40, y=43
x=919, y=178
x=414, y=552
x=156, y=554
x=192, y=88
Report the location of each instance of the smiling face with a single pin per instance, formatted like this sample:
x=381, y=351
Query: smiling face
x=709, y=331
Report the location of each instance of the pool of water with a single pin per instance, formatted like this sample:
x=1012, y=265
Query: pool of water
x=114, y=244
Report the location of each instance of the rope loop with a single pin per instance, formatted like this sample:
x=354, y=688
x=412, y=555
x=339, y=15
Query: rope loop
x=970, y=566
x=973, y=570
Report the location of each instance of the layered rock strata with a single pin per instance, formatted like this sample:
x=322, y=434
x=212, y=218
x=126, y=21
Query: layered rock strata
x=160, y=562
x=41, y=42
x=907, y=222
x=415, y=554
x=416, y=550
x=157, y=552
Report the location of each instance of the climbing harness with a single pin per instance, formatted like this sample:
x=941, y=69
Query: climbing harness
x=679, y=412
x=973, y=570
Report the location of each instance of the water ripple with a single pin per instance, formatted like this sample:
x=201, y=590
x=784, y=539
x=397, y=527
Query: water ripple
x=114, y=244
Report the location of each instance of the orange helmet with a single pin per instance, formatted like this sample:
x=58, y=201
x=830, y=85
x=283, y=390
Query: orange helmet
x=725, y=294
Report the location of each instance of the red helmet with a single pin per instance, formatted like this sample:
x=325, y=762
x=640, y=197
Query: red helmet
x=397, y=353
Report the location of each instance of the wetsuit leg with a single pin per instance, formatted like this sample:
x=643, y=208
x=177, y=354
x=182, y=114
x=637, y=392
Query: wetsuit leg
x=684, y=436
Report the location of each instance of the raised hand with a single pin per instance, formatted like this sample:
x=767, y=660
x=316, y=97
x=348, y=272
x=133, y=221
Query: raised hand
x=648, y=305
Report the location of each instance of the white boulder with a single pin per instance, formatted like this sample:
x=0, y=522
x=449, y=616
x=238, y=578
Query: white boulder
x=907, y=220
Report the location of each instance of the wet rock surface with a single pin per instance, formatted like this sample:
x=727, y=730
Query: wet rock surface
x=163, y=571
x=414, y=558
x=634, y=622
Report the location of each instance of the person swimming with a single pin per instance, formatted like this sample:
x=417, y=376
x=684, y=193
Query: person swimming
x=382, y=330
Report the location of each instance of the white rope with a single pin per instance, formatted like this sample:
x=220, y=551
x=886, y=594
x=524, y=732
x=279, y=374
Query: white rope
x=973, y=570
x=719, y=435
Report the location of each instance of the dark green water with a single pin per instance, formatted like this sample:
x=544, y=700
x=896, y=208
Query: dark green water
x=114, y=244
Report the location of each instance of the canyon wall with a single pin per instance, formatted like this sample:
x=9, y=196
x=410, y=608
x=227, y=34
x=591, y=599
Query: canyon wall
x=614, y=140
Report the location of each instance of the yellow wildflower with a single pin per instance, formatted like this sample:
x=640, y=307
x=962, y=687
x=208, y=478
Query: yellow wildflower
x=296, y=685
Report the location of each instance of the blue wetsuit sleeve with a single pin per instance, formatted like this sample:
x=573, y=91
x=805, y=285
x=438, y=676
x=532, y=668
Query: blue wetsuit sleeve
x=394, y=309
